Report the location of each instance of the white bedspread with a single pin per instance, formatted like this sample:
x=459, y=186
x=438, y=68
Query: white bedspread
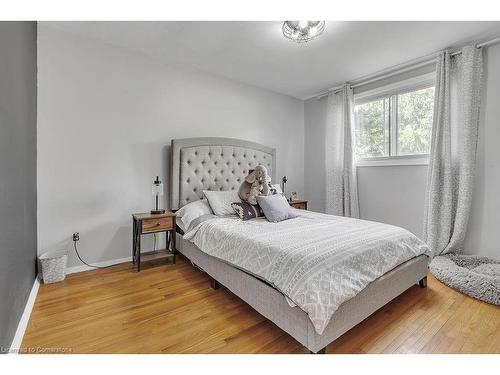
x=318, y=261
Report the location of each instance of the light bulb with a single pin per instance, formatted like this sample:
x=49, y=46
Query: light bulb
x=302, y=31
x=303, y=24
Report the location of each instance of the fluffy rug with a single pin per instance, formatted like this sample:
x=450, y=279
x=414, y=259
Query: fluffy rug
x=478, y=277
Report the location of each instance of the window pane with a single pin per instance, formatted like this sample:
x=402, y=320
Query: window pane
x=371, y=128
x=415, y=121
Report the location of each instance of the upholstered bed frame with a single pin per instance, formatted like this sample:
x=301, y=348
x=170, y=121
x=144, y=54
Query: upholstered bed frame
x=213, y=164
x=220, y=164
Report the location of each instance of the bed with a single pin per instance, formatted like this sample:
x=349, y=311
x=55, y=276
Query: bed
x=199, y=164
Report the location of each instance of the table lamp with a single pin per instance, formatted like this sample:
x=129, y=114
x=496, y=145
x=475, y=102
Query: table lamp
x=157, y=191
x=283, y=185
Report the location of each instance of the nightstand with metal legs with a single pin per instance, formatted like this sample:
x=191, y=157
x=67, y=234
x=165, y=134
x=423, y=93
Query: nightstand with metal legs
x=148, y=224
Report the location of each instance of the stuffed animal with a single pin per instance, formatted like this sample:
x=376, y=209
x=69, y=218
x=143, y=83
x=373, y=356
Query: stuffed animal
x=255, y=184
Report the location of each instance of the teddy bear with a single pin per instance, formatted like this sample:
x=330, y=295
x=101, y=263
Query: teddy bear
x=256, y=183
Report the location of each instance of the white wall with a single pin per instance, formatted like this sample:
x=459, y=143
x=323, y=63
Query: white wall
x=314, y=153
x=105, y=120
x=106, y=117
x=396, y=194
x=392, y=195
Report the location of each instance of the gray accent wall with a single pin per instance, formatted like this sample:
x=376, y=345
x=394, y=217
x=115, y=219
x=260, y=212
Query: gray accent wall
x=18, y=216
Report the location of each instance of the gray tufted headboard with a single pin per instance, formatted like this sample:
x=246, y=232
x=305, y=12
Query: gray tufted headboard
x=213, y=164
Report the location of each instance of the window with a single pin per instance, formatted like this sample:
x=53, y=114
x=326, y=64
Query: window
x=372, y=128
x=414, y=121
x=395, y=121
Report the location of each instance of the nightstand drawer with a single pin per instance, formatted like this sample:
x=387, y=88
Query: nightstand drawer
x=157, y=224
x=301, y=205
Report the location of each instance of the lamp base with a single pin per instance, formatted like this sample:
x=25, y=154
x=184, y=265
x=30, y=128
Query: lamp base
x=157, y=212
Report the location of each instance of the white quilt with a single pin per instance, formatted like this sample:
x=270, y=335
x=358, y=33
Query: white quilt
x=318, y=261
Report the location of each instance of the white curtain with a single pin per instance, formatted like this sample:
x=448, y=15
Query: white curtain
x=453, y=149
x=341, y=184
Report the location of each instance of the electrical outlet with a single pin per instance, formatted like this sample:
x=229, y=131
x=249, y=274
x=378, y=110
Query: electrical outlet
x=76, y=236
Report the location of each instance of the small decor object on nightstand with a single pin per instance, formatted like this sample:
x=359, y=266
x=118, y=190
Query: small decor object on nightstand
x=283, y=185
x=293, y=196
x=157, y=191
x=149, y=224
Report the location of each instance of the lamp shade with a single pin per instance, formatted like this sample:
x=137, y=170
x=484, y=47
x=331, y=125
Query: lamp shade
x=157, y=188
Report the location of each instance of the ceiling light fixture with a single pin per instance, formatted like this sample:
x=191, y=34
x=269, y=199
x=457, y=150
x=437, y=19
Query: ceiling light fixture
x=302, y=31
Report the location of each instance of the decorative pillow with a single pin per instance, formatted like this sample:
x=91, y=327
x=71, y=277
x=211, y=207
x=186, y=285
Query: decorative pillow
x=220, y=201
x=246, y=211
x=276, y=208
x=192, y=211
x=275, y=189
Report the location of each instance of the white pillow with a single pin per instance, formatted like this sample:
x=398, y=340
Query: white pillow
x=192, y=211
x=220, y=201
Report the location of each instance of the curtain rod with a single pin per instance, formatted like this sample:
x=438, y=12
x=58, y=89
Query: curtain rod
x=400, y=68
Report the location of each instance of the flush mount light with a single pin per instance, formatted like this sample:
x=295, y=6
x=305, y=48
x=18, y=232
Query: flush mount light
x=303, y=31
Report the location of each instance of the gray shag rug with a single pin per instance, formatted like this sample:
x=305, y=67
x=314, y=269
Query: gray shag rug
x=478, y=277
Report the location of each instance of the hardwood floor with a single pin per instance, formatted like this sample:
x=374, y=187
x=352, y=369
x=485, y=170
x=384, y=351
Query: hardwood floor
x=172, y=309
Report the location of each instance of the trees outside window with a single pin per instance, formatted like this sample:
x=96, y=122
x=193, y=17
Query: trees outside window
x=414, y=121
x=397, y=124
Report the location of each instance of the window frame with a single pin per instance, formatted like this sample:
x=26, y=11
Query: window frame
x=392, y=91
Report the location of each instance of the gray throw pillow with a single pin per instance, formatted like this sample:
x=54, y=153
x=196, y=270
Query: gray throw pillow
x=246, y=211
x=276, y=208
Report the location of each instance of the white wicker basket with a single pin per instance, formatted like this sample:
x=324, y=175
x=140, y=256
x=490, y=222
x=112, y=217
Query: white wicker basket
x=53, y=266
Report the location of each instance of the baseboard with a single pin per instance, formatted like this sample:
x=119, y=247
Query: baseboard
x=25, y=317
x=105, y=263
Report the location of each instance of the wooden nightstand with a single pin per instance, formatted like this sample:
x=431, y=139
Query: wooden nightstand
x=300, y=204
x=147, y=224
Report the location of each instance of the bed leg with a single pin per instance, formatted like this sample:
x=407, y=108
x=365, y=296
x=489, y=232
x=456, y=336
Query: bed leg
x=423, y=283
x=215, y=284
x=321, y=351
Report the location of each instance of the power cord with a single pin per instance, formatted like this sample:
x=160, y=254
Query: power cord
x=76, y=238
x=84, y=262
